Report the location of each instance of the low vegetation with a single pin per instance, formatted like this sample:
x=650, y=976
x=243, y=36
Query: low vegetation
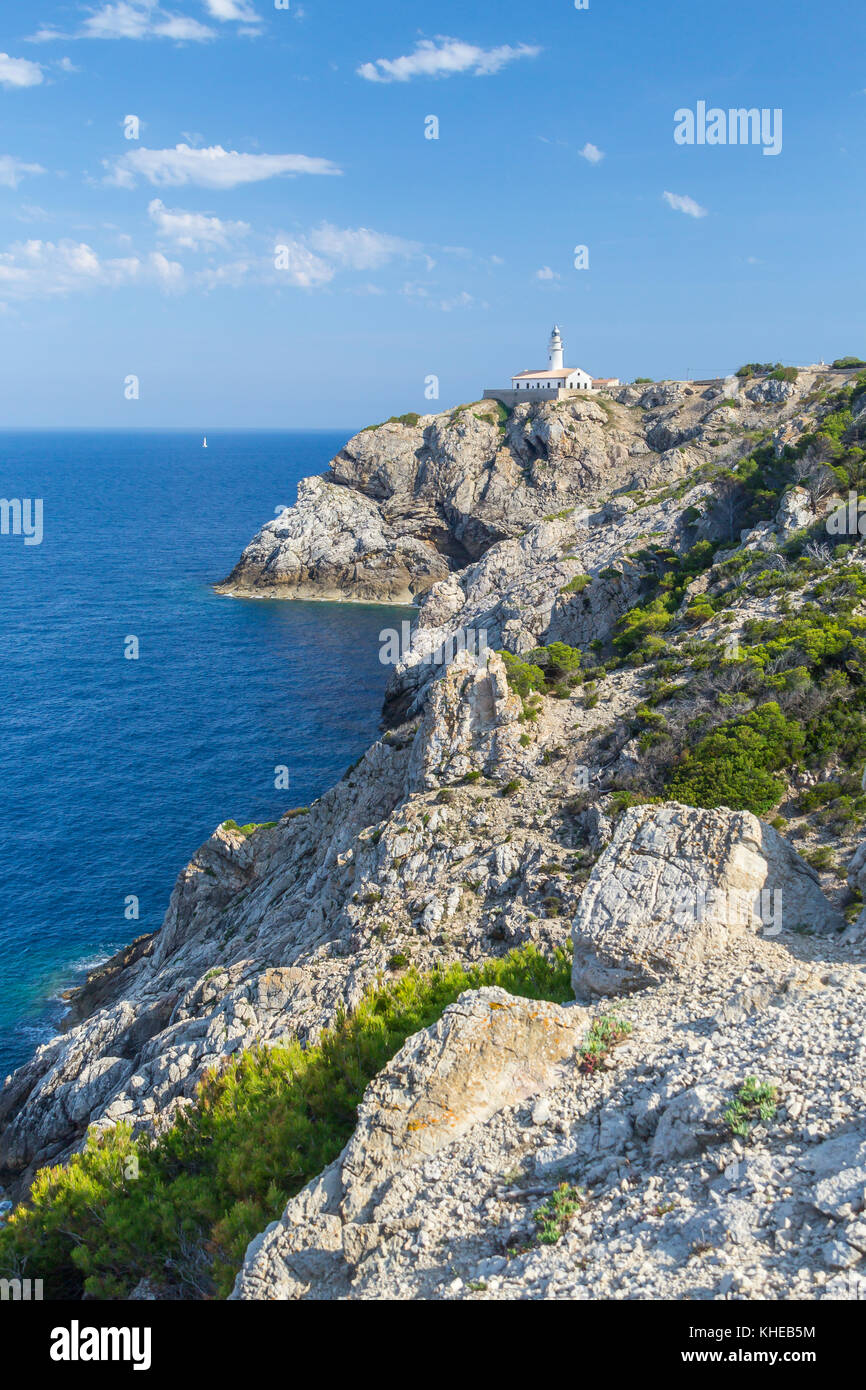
x=180, y=1209
x=755, y=1100
x=554, y=1216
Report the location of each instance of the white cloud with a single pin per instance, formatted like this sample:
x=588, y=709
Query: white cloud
x=459, y=301
x=19, y=72
x=545, y=273
x=132, y=19
x=313, y=259
x=443, y=57
x=358, y=248
x=12, y=170
x=681, y=202
x=194, y=230
x=300, y=266
x=231, y=275
x=31, y=269
x=592, y=153
x=232, y=9
x=422, y=296
x=209, y=168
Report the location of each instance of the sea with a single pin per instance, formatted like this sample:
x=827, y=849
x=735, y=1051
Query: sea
x=119, y=757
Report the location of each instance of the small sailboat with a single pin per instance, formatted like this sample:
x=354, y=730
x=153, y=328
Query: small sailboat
x=204, y=442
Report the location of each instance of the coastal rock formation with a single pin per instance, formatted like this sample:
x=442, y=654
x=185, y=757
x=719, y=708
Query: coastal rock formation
x=683, y=626
x=488, y=1051
x=335, y=543
x=662, y=1200
x=268, y=934
x=407, y=502
x=675, y=884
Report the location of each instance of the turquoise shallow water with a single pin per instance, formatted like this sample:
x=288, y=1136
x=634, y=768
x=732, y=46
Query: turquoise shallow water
x=112, y=772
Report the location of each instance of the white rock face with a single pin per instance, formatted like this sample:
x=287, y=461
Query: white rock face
x=335, y=543
x=675, y=884
x=770, y=392
x=795, y=512
x=407, y=502
x=471, y=828
x=471, y=717
x=488, y=1050
x=674, y=1204
x=857, y=883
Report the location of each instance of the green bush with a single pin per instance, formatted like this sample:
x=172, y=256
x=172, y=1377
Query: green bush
x=733, y=765
x=523, y=677
x=577, y=584
x=181, y=1209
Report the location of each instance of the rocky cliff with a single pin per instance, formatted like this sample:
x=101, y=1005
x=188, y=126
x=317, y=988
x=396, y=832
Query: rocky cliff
x=661, y=771
x=406, y=503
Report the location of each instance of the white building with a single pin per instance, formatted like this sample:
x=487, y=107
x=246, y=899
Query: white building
x=553, y=382
x=554, y=376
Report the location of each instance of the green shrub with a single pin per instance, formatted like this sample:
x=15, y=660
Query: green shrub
x=577, y=584
x=523, y=677
x=182, y=1208
x=554, y=1216
x=733, y=765
x=817, y=796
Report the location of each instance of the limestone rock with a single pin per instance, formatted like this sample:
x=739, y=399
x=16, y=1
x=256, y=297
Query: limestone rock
x=795, y=512
x=489, y=1050
x=857, y=884
x=471, y=720
x=675, y=883
x=335, y=543
x=406, y=503
x=771, y=392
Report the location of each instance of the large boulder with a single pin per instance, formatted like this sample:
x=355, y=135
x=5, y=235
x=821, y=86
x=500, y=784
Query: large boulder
x=675, y=883
x=857, y=884
x=489, y=1050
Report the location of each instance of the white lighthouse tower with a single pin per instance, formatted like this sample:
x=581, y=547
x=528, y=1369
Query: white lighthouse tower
x=554, y=350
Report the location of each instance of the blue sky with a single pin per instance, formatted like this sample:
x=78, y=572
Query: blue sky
x=406, y=257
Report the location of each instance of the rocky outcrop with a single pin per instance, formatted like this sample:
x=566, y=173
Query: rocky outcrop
x=406, y=503
x=335, y=543
x=857, y=884
x=675, y=884
x=269, y=934
x=522, y=592
x=481, y=821
x=488, y=1051
x=443, y=1192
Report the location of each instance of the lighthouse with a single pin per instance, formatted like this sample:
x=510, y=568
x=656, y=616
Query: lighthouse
x=554, y=350
x=554, y=382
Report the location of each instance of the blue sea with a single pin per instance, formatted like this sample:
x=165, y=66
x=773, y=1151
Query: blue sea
x=114, y=771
